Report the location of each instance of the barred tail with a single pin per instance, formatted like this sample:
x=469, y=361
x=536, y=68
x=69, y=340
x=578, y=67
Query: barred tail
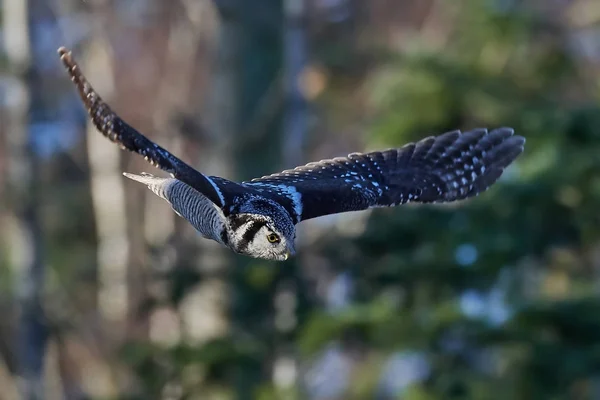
x=159, y=186
x=187, y=203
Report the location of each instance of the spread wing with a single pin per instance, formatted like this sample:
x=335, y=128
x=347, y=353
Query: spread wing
x=449, y=167
x=219, y=191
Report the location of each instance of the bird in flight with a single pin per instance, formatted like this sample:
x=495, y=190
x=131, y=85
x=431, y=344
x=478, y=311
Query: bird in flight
x=258, y=218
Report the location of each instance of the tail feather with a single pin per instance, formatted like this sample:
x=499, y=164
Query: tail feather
x=186, y=202
x=145, y=178
x=156, y=184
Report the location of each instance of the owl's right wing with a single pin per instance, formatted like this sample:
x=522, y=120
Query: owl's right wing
x=449, y=167
x=219, y=191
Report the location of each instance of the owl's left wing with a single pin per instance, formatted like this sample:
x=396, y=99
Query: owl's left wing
x=218, y=190
x=449, y=167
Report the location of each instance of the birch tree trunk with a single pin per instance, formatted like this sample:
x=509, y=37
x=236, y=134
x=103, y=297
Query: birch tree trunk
x=211, y=294
x=24, y=231
x=108, y=197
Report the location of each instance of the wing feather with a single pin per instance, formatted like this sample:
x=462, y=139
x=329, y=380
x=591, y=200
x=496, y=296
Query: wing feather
x=449, y=167
x=118, y=131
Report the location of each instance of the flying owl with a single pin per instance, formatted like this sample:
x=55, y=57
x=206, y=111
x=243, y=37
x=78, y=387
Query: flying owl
x=258, y=218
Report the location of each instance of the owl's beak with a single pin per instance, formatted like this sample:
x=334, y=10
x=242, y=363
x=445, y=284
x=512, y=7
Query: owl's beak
x=289, y=253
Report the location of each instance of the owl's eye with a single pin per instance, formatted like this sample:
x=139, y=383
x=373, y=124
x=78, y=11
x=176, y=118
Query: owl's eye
x=273, y=238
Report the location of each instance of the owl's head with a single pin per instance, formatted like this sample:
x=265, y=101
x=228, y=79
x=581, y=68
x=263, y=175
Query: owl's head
x=263, y=229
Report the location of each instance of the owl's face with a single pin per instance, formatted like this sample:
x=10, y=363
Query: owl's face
x=269, y=243
x=268, y=235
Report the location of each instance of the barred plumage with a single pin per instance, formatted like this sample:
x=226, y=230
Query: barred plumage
x=258, y=217
x=202, y=213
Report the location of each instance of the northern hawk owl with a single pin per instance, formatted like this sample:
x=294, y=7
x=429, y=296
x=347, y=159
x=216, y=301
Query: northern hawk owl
x=257, y=218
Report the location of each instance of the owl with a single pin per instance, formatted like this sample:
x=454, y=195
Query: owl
x=258, y=218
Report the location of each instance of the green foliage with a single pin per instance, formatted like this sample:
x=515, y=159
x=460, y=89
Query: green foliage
x=508, y=68
x=189, y=366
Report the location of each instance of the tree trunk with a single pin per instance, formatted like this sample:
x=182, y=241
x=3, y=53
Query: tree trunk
x=296, y=106
x=210, y=157
x=25, y=235
x=295, y=117
x=108, y=198
x=255, y=34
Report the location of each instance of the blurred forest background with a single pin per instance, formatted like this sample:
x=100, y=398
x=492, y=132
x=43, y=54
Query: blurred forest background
x=106, y=294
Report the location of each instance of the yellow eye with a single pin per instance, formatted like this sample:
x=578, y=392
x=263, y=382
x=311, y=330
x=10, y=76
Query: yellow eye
x=273, y=238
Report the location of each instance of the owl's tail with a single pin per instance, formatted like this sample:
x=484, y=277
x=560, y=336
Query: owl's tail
x=158, y=185
x=187, y=202
x=461, y=165
x=162, y=187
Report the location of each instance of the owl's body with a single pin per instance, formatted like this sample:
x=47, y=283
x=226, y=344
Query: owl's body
x=258, y=217
x=237, y=230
